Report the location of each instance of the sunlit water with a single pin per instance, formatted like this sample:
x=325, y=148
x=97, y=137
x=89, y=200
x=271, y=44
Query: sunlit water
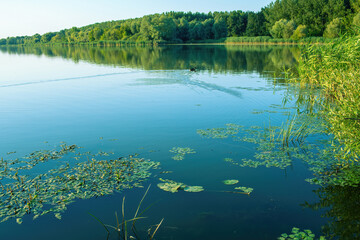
x=147, y=105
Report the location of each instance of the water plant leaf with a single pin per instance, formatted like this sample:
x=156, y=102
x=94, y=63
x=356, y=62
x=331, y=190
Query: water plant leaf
x=181, y=152
x=193, y=189
x=173, y=187
x=245, y=189
x=229, y=130
x=52, y=191
x=230, y=182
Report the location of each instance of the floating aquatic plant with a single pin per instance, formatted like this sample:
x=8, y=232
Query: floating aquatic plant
x=245, y=189
x=230, y=182
x=173, y=187
x=170, y=185
x=181, y=152
x=52, y=191
x=296, y=234
x=229, y=130
x=228, y=160
x=193, y=189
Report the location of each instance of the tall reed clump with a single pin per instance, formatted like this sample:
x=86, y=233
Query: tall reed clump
x=335, y=69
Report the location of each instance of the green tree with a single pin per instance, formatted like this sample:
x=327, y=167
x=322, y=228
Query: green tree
x=356, y=20
x=182, y=30
x=45, y=38
x=196, y=30
x=289, y=29
x=166, y=28
x=208, y=26
x=300, y=32
x=334, y=28
x=146, y=29
x=219, y=28
x=278, y=29
x=236, y=23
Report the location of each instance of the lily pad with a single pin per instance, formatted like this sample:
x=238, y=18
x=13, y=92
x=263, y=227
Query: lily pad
x=181, y=152
x=172, y=186
x=52, y=191
x=245, y=189
x=230, y=181
x=193, y=189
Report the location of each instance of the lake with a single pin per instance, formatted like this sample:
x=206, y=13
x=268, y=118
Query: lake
x=142, y=105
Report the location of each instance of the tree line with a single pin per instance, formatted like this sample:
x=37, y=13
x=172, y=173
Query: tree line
x=289, y=19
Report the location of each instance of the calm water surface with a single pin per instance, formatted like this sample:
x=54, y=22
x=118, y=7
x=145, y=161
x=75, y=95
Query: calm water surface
x=146, y=101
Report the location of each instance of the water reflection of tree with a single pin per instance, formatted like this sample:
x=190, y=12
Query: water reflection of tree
x=342, y=208
x=233, y=58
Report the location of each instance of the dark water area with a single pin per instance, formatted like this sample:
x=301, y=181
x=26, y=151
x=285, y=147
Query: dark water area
x=143, y=102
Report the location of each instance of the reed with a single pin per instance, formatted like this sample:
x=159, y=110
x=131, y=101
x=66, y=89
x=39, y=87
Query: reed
x=335, y=68
x=122, y=228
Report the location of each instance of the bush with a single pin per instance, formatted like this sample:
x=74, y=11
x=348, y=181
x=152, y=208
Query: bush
x=334, y=28
x=300, y=32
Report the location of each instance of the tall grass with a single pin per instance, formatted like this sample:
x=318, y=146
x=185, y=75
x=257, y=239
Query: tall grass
x=122, y=228
x=335, y=68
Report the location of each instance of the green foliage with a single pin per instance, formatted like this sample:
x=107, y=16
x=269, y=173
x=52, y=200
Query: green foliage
x=356, y=22
x=181, y=152
x=334, y=68
x=173, y=187
x=230, y=182
x=246, y=190
x=283, y=29
x=334, y=29
x=300, y=32
x=313, y=14
x=52, y=191
x=190, y=27
x=296, y=234
x=278, y=29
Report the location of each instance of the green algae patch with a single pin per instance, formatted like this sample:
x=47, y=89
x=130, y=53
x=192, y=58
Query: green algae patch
x=181, y=152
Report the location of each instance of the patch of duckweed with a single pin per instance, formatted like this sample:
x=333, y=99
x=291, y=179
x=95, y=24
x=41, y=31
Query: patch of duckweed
x=181, y=152
x=173, y=187
x=230, y=182
x=52, y=191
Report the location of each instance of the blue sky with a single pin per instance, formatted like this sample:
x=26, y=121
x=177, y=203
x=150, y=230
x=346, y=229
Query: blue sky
x=27, y=17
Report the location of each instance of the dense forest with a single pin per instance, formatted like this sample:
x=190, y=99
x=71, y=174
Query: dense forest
x=286, y=19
